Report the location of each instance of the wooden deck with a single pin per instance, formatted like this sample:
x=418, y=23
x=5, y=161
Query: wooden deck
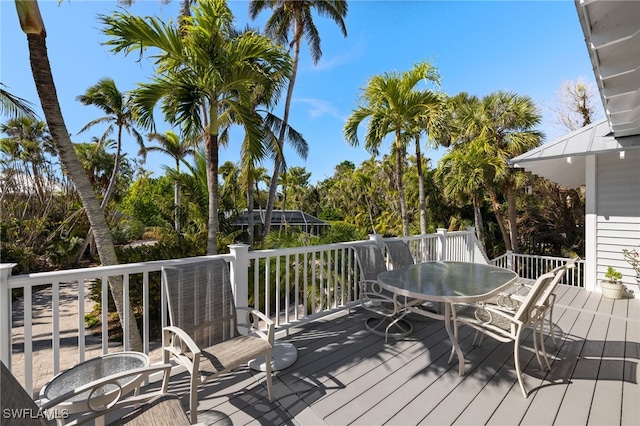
x=347, y=376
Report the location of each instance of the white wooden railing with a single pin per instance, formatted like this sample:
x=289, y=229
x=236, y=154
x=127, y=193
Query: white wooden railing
x=290, y=285
x=531, y=267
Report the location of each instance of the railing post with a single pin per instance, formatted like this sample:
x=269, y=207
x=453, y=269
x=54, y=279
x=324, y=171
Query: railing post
x=510, y=260
x=376, y=237
x=5, y=313
x=442, y=243
x=471, y=243
x=240, y=273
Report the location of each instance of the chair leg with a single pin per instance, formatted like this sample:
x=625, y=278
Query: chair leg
x=551, y=328
x=544, y=349
x=516, y=356
x=268, y=373
x=537, y=327
x=193, y=398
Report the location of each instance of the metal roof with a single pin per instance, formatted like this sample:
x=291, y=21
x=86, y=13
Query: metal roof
x=563, y=160
x=290, y=217
x=612, y=33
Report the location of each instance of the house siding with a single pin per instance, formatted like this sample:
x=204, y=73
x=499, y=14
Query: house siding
x=618, y=212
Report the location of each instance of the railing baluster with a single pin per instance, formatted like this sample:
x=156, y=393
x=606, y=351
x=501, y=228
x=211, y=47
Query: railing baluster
x=81, y=343
x=127, y=309
x=145, y=311
x=104, y=300
x=55, y=323
x=28, y=339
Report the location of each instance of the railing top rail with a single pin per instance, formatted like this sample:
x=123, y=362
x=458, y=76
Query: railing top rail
x=40, y=278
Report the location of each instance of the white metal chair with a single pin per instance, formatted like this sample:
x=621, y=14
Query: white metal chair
x=103, y=395
x=507, y=324
x=512, y=298
x=399, y=253
x=204, y=335
x=374, y=298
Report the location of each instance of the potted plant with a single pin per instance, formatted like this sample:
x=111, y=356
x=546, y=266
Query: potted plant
x=633, y=258
x=612, y=286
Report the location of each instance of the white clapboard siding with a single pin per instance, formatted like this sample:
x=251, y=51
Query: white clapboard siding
x=618, y=207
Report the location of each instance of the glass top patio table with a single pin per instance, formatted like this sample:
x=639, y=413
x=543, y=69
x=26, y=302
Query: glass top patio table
x=447, y=282
x=89, y=371
x=455, y=282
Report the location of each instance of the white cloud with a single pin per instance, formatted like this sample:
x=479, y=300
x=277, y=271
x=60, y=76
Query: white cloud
x=319, y=108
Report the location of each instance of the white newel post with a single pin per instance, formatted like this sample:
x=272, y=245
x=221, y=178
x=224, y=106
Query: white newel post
x=510, y=260
x=5, y=313
x=377, y=238
x=240, y=273
x=471, y=243
x=442, y=243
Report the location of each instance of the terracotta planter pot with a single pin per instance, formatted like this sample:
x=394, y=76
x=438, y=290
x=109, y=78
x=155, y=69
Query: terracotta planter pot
x=612, y=290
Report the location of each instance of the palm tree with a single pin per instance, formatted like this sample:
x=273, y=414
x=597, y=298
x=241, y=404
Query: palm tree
x=178, y=148
x=393, y=105
x=33, y=26
x=28, y=141
x=294, y=16
x=505, y=122
x=14, y=106
x=119, y=115
x=466, y=170
x=204, y=81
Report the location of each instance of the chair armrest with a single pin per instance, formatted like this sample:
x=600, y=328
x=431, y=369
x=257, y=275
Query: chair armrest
x=253, y=317
x=169, y=335
x=100, y=402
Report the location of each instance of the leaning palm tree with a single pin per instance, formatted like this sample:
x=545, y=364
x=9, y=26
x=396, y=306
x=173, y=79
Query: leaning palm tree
x=392, y=105
x=178, y=148
x=33, y=26
x=204, y=76
x=294, y=16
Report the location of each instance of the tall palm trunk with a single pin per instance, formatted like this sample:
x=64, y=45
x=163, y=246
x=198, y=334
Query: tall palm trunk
x=423, y=203
x=176, y=200
x=477, y=217
x=399, y=185
x=211, y=148
x=513, y=217
x=277, y=164
x=32, y=24
x=496, y=209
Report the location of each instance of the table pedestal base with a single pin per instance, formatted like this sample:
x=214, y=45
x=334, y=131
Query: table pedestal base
x=385, y=326
x=283, y=355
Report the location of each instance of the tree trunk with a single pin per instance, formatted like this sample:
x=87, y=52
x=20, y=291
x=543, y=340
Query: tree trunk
x=513, y=217
x=496, y=209
x=403, y=202
x=176, y=199
x=477, y=217
x=277, y=164
x=250, y=224
x=423, y=202
x=31, y=23
x=211, y=147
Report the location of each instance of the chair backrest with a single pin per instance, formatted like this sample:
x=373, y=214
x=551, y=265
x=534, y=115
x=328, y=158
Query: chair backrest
x=399, y=252
x=200, y=300
x=542, y=289
x=22, y=409
x=370, y=260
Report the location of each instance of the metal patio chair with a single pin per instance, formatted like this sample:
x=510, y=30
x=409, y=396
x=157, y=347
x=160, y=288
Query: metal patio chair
x=399, y=253
x=19, y=409
x=204, y=335
x=386, y=305
x=506, y=324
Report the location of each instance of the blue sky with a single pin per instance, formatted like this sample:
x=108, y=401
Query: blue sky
x=528, y=47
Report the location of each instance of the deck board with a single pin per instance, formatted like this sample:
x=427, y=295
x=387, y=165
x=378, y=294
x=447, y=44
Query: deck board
x=347, y=376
